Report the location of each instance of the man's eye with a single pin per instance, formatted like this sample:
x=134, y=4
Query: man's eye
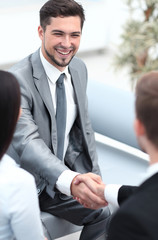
x=58, y=34
x=75, y=35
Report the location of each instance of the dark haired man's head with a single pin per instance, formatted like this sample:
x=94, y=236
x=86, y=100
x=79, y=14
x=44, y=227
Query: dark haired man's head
x=9, y=108
x=60, y=8
x=60, y=30
x=147, y=105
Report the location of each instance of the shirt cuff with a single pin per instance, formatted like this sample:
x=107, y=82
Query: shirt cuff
x=64, y=181
x=111, y=196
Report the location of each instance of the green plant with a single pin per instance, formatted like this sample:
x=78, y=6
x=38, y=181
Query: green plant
x=139, y=41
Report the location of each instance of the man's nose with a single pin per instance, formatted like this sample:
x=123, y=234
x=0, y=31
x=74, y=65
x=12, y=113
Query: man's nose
x=66, y=41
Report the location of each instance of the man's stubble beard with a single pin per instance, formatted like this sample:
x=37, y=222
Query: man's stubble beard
x=53, y=60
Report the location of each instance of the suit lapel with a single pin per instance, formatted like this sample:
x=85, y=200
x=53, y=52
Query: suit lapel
x=42, y=85
x=76, y=81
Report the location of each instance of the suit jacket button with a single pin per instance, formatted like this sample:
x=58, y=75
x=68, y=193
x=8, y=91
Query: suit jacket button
x=38, y=190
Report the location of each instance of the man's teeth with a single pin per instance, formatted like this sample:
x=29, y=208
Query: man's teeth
x=64, y=53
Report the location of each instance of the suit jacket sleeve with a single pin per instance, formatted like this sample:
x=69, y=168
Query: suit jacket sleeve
x=125, y=192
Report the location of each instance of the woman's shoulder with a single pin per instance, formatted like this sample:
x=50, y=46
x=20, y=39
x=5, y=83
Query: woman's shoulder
x=10, y=172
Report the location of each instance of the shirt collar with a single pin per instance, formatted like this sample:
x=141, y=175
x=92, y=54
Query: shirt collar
x=152, y=169
x=52, y=72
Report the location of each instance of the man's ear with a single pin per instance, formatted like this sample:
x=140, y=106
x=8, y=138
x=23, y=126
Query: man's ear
x=40, y=32
x=139, y=128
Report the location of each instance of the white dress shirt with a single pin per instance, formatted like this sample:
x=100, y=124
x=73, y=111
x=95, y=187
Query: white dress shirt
x=111, y=190
x=19, y=209
x=64, y=181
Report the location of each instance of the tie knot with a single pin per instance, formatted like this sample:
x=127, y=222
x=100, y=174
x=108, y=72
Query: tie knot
x=60, y=80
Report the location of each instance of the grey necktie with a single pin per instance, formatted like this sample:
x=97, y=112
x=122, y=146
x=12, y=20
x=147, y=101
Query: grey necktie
x=60, y=115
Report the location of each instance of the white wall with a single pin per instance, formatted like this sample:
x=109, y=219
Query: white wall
x=103, y=25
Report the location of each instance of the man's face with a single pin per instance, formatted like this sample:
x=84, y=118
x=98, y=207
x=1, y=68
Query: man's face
x=61, y=40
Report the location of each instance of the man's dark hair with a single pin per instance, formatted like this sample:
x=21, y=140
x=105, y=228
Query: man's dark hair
x=147, y=104
x=9, y=108
x=60, y=8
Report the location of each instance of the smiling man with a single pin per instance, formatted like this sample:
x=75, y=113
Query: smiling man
x=54, y=140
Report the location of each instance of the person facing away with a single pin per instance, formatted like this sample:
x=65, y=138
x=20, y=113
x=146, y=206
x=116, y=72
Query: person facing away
x=138, y=213
x=19, y=208
x=36, y=141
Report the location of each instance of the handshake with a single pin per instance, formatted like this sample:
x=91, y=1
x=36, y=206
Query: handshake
x=88, y=190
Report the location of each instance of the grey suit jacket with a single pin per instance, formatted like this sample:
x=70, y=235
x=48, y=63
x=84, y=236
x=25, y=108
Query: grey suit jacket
x=34, y=145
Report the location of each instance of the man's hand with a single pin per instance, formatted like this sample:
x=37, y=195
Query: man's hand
x=88, y=190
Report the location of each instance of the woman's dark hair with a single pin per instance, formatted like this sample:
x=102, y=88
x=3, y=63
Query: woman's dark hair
x=57, y=8
x=9, y=109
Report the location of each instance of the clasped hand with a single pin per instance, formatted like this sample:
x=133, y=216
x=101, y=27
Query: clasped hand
x=88, y=190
